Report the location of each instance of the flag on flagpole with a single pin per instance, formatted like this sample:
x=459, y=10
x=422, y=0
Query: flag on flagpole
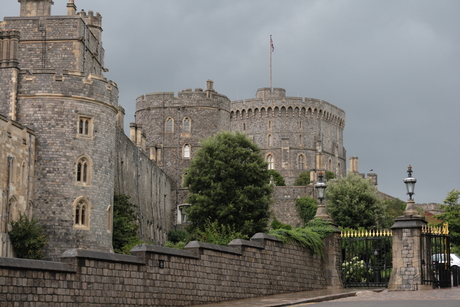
x=271, y=44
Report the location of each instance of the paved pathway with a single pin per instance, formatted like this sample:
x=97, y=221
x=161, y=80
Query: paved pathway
x=344, y=295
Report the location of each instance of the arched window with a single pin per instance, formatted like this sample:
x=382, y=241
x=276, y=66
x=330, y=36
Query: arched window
x=187, y=125
x=329, y=165
x=270, y=140
x=186, y=151
x=169, y=127
x=81, y=213
x=271, y=161
x=300, y=162
x=82, y=170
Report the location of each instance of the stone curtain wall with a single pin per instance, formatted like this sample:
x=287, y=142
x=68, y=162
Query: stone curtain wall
x=148, y=187
x=284, y=207
x=203, y=273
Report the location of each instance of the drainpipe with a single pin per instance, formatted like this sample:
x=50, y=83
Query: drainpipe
x=28, y=176
x=10, y=165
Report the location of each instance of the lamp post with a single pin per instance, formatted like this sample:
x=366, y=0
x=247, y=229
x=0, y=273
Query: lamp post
x=410, y=186
x=320, y=187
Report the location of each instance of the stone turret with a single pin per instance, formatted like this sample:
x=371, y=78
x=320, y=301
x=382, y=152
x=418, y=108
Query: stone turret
x=30, y=8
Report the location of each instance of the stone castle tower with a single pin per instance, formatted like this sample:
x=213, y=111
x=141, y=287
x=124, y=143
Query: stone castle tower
x=52, y=75
x=295, y=134
x=174, y=126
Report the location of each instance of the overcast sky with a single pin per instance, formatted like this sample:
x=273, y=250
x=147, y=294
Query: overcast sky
x=392, y=65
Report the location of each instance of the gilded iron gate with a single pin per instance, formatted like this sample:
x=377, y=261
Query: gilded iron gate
x=435, y=256
x=367, y=258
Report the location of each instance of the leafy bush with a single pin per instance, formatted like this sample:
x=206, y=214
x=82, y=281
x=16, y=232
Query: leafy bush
x=177, y=235
x=307, y=208
x=277, y=178
x=303, y=237
x=219, y=234
x=278, y=225
x=303, y=179
x=321, y=227
x=125, y=225
x=355, y=270
x=27, y=238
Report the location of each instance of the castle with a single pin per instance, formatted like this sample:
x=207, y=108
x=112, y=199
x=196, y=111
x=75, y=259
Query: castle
x=63, y=152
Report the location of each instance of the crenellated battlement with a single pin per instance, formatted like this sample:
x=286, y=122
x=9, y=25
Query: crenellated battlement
x=184, y=98
x=276, y=104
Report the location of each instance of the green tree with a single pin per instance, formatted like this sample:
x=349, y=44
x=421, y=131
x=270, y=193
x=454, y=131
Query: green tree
x=451, y=208
x=329, y=175
x=394, y=208
x=277, y=178
x=27, y=238
x=307, y=208
x=303, y=179
x=125, y=225
x=352, y=202
x=228, y=182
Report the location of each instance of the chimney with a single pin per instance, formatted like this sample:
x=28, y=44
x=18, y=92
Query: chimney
x=71, y=8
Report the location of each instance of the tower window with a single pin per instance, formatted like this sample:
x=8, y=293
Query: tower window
x=169, y=125
x=85, y=126
x=83, y=170
x=270, y=161
x=186, y=151
x=301, y=162
x=81, y=213
x=270, y=140
x=187, y=125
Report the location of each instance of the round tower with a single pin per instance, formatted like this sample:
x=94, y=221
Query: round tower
x=174, y=126
x=72, y=108
x=295, y=134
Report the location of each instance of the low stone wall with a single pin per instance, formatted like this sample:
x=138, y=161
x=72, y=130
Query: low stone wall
x=159, y=276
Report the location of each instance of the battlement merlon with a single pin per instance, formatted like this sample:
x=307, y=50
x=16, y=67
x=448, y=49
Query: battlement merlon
x=35, y=7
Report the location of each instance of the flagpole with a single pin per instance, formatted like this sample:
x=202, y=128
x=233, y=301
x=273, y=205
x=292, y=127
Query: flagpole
x=271, y=51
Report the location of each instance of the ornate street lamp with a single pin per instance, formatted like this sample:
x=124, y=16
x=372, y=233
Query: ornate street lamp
x=410, y=186
x=410, y=182
x=320, y=187
x=320, y=190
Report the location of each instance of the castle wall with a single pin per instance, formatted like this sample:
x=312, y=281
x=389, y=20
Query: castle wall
x=284, y=207
x=159, y=276
x=148, y=187
x=17, y=155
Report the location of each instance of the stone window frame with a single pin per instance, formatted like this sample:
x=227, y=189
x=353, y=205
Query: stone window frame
x=181, y=216
x=187, y=125
x=301, y=162
x=81, y=213
x=270, y=159
x=270, y=140
x=186, y=151
x=329, y=165
x=169, y=125
x=83, y=168
x=85, y=126
x=109, y=218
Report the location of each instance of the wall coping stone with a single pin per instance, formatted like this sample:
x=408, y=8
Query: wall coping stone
x=149, y=248
x=264, y=236
x=246, y=243
x=30, y=264
x=89, y=254
x=210, y=246
x=409, y=221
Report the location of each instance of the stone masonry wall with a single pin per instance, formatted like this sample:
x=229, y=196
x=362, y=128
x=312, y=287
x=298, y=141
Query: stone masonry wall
x=148, y=187
x=159, y=276
x=17, y=156
x=284, y=208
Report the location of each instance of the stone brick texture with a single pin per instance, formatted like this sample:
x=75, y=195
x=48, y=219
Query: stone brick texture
x=16, y=180
x=202, y=273
x=148, y=187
